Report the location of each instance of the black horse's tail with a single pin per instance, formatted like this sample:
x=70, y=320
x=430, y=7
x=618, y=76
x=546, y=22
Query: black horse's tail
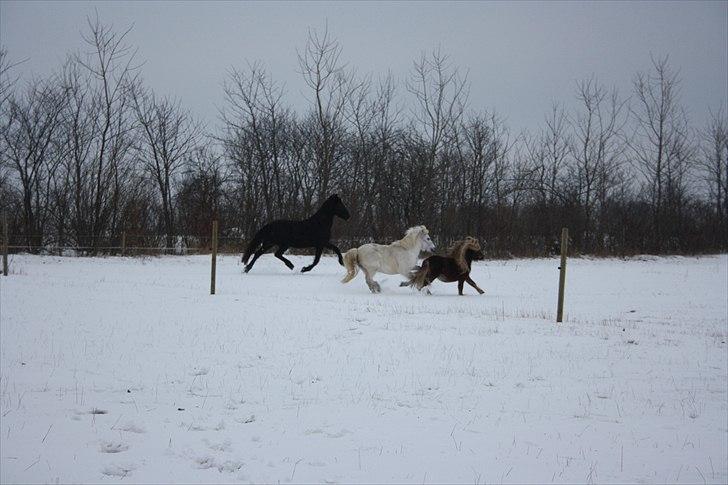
x=254, y=244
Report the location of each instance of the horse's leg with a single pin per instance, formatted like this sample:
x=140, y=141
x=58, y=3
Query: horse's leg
x=433, y=272
x=408, y=275
x=265, y=247
x=337, y=251
x=461, y=282
x=373, y=285
x=472, y=283
x=315, y=260
x=426, y=286
x=279, y=254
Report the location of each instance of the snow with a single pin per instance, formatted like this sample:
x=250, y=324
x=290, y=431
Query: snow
x=127, y=370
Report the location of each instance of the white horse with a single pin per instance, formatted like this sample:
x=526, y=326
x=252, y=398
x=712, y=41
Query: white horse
x=400, y=257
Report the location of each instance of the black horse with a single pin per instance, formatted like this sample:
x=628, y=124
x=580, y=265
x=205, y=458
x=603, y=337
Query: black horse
x=313, y=232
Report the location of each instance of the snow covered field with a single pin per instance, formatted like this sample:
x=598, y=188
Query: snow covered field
x=120, y=369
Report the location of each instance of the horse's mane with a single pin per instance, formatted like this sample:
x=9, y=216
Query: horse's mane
x=329, y=203
x=459, y=248
x=327, y=207
x=410, y=237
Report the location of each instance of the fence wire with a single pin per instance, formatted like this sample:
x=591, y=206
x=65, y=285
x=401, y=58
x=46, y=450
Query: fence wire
x=146, y=245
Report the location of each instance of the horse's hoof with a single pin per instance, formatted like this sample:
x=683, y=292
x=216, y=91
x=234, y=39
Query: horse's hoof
x=305, y=270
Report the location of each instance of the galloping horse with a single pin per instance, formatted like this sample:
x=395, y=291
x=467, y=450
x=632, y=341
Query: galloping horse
x=396, y=258
x=313, y=232
x=455, y=267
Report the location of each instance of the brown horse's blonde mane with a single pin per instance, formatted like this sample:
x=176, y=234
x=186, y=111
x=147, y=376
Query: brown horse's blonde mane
x=458, y=249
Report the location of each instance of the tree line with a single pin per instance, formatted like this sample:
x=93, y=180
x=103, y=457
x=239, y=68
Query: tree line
x=91, y=152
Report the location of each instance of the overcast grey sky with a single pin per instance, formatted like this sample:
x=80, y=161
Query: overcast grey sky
x=519, y=56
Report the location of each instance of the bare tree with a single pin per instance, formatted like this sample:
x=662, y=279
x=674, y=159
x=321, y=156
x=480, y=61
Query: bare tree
x=169, y=136
x=201, y=195
x=549, y=154
x=379, y=167
x=440, y=94
x=7, y=85
x=30, y=138
x=359, y=178
x=597, y=148
x=714, y=169
x=486, y=146
x=7, y=82
x=325, y=75
x=79, y=135
x=110, y=63
x=661, y=147
x=255, y=136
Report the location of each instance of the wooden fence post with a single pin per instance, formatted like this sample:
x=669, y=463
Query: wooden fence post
x=562, y=273
x=214, y=257
x=5, y=243
x=123, y=243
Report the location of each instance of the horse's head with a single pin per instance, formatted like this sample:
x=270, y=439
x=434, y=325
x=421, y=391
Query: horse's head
x=466, y=250
x=422, y=236
x=474, y=254
x=472, y=243
x=337, y=207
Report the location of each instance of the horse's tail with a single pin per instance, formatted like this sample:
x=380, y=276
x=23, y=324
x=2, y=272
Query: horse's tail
x=254, y=244
x=418, y=276
x=351, y=263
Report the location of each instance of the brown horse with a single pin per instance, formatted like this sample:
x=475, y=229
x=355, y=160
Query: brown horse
x=455, y=267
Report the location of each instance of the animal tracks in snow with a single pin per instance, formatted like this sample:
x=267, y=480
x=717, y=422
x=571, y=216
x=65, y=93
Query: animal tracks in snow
x=200, y=371
x=118, y=470
x=246, y=420
x=206, y=462
x=223, y=446
x=112, y=447
x=338, y=434
x=132, y=428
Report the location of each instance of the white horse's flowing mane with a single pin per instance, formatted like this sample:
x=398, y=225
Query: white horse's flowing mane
x=410, y=237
